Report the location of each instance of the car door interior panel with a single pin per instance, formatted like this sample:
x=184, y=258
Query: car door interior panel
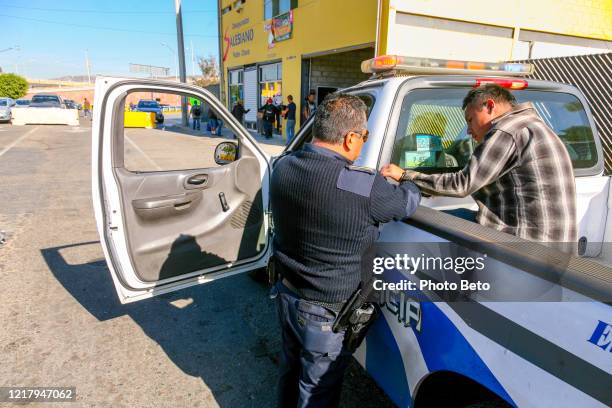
x=167, y=218
x=182, y=221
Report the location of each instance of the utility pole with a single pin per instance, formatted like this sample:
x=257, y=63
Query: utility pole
x=181, y=56
x=88, y=68
x=221, y=68
x=192, y=60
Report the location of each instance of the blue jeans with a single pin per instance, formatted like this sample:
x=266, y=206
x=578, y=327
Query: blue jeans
x=313, y=358
x=268, y=127
x=213, y=124
x=196, y=123
x=290, y=130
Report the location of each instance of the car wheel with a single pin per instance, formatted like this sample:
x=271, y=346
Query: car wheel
x=487, y=404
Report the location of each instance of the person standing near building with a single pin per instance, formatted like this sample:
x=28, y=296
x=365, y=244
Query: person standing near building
x=289, y=115
x=310, y=107
x=213, y=121
x=269, y=115
x=196, y=113
x=326, y=214
x=238, y=111
x=520, y=174
x=86, y=108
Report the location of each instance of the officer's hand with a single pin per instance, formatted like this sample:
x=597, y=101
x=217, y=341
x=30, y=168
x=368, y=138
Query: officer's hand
x=393, y=171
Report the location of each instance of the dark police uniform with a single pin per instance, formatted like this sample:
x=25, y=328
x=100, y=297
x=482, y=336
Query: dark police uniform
x=326, y=214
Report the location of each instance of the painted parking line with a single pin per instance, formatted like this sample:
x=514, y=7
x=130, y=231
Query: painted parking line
x=146, y=156
x=10, y=146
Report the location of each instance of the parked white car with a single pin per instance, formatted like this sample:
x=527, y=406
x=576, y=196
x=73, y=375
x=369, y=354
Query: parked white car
x=6, y=105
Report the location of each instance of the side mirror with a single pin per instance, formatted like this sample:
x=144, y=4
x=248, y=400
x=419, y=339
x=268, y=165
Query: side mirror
x=226, y=152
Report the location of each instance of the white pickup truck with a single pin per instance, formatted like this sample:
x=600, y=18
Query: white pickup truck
x=46, y=109
x=423, y=353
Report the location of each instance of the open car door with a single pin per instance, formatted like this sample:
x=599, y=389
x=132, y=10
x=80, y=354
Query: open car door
x=165, y=229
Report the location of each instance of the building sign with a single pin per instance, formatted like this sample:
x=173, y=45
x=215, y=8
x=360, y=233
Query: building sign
x=279, y=28
x=282, y=26
x=237, y=39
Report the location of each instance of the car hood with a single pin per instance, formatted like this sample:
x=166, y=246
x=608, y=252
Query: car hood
x=4, y=109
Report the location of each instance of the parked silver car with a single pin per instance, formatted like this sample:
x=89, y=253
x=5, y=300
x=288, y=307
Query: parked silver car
x=5, y=109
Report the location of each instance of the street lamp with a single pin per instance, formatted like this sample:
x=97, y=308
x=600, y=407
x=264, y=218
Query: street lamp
x=176, y=62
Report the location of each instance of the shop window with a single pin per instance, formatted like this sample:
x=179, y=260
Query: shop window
x=273, y=8
x=236, y=87
x=270, y=83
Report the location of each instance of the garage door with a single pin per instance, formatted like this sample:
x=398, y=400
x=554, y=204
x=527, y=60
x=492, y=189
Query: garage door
x=250, y=94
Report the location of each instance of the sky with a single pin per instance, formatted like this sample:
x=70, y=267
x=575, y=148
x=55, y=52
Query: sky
x=54, y=37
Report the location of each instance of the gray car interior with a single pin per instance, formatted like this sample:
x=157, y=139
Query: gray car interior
x=176, y=221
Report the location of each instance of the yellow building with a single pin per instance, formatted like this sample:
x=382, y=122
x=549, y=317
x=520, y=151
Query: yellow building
x=276, y=48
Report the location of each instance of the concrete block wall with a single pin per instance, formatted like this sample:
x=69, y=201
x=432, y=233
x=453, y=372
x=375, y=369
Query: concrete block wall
x=339, y=70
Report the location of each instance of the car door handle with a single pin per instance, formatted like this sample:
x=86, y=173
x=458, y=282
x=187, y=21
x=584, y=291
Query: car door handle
x=198, y=179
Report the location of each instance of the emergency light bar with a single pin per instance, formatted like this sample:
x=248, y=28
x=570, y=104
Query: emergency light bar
x=411, y=65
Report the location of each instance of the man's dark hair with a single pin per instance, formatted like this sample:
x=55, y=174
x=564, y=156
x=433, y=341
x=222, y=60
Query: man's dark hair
x=337, y=115
x=290, y=97
x=479, y=95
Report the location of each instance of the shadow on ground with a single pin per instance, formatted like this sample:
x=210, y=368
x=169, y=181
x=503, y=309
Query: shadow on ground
x=224, y=332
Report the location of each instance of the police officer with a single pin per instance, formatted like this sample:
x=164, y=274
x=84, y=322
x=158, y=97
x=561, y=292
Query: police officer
x=326, y=214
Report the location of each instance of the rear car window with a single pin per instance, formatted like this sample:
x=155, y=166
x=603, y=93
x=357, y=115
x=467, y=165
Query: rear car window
x=306, y=134
x=432, y=134
x=45, y=98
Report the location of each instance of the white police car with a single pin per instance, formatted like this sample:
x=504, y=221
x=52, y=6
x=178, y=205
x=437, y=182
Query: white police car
x=422, y=353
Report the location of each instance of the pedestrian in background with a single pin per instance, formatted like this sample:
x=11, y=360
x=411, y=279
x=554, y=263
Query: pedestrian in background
x=310, y=107
x=213, y=121
x=326, y=215
x=86, y=108
x=238, y=112
x=268, y=112
x=196, y=113
x=289, y=115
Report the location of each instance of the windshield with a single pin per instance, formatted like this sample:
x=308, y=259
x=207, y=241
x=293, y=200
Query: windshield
x=45, y=98
x=148, y=104
x=3, y=102
x=432, y=134
x=23, y=102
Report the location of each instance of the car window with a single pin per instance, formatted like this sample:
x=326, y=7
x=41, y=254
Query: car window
x=45, y=98
x=148, y=104
x=565, y=115
x=158, y=141
x=306, y=134
x=3, y=102
x=432, y=137
x=23, y=102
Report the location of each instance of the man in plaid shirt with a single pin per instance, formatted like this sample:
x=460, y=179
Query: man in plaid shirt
x=520, y=174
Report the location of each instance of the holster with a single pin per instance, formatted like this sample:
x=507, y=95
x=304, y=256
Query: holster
x=355, y=317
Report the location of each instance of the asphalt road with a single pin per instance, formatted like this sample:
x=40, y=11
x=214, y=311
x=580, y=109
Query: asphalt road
x=62, y=324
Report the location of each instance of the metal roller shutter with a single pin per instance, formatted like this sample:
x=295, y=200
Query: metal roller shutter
x=250, y=94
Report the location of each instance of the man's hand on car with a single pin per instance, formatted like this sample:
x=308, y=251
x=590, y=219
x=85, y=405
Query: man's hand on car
x=396, y=172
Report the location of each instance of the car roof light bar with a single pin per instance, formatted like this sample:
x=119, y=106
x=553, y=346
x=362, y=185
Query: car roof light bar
x=412, y=65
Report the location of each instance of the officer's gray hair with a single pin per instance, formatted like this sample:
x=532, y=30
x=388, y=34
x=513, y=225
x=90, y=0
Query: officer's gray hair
x=339, y=114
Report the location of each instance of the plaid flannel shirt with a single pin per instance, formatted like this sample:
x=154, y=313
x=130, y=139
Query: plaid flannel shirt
x=521, y=178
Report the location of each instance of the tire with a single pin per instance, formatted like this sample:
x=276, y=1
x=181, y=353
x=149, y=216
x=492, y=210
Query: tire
x=487, y=404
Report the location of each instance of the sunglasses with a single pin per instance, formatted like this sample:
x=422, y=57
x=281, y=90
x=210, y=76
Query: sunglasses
x=364, y=134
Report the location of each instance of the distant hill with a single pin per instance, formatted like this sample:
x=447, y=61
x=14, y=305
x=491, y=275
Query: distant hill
x=74, y=78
